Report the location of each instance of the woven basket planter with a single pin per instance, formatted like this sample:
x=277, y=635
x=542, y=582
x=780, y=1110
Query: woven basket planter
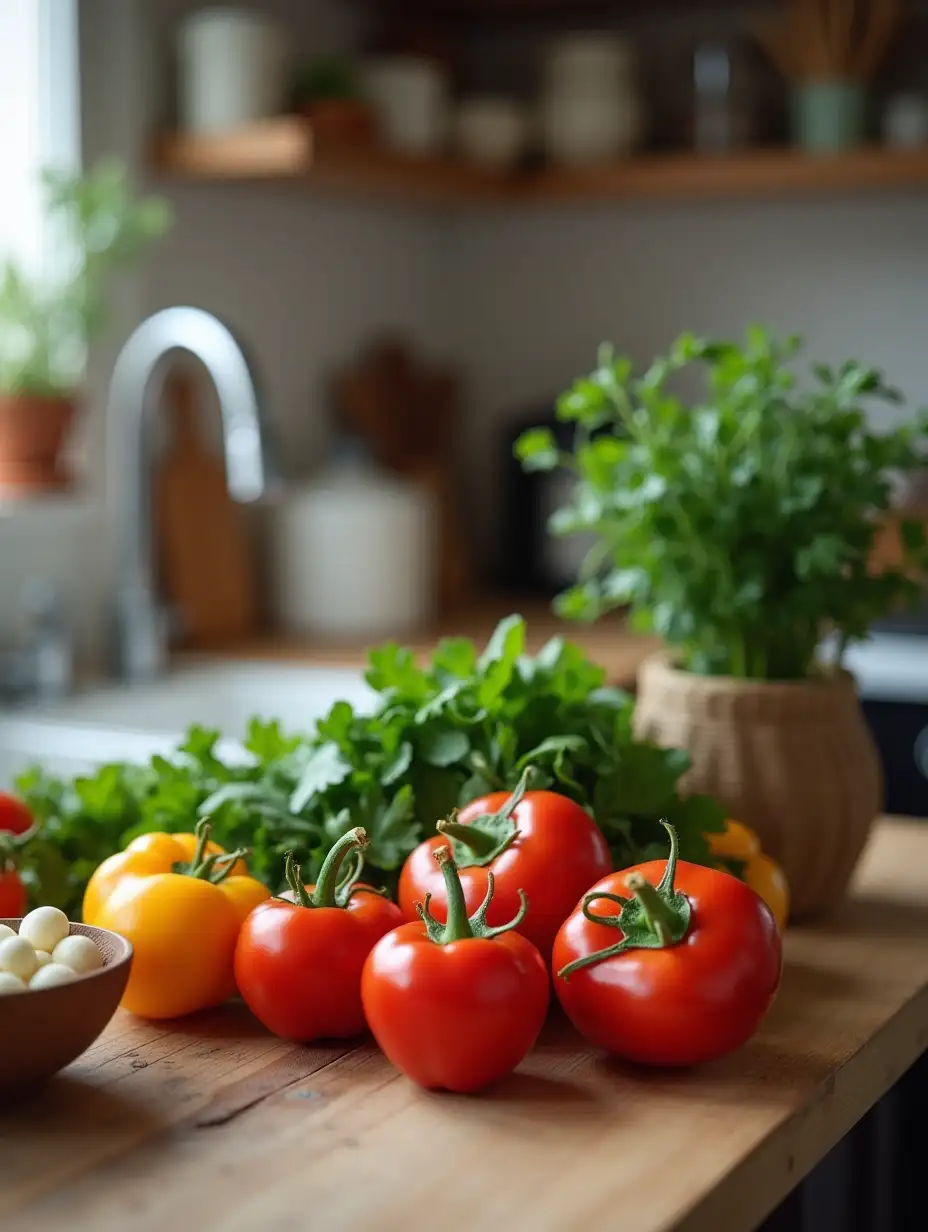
x=794, y=761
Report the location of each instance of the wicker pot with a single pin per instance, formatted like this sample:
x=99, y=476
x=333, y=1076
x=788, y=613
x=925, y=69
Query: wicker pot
x=32, y=435
x=794, y=761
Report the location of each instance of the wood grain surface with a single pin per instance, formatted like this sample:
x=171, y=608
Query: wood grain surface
x=213, y=1124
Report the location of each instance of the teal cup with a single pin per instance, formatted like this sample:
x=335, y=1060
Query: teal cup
x=828, y=116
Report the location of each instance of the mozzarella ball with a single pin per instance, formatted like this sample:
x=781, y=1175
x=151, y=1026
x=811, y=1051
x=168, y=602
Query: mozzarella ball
x=6, y=931
x=10, y=983
x=43, y=958
x=51, y=975
x=79, y=953
x=44, y=927
x=17, y=956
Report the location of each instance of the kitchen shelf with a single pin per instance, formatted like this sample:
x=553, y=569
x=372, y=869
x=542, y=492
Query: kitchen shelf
x=283, y=150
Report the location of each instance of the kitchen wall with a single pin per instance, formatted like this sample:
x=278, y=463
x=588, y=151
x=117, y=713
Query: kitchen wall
x=303, y=282
x=520, y=299
x=536, y=292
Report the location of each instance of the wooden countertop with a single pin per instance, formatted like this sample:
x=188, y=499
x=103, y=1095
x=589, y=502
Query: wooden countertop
x=608, y=642
x=214, y=1124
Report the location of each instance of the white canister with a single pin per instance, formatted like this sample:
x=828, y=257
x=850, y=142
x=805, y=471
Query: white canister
x=355, y=556
x=590, y=108
x=231, y=69
x=410, y=95
x=588, y=62
x=581, y=130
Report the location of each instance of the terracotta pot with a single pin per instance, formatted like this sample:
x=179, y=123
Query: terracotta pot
x=794, y=761
x=341, y=122
x=32, y=433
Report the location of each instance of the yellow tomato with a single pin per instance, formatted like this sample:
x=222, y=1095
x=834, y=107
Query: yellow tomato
x=157, y=852
x=735, y=842
x=766, y=878
x=761, y=873
x=183, y=925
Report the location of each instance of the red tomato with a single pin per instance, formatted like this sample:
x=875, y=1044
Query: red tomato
x=298, y=964
x=539, y=842
x=12, y=894
x=455, y=1006
x=16, y=829
x=15, y=818
x=689, y=977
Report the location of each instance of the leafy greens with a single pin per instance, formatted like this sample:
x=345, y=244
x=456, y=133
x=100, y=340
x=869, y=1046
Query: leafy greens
x=440, y=736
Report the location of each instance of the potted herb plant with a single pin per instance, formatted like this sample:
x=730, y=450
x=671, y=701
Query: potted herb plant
x=45, y=325
x=327, y=90
x=740, y=527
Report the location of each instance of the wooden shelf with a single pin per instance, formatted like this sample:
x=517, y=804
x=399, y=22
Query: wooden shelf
x=283, y=149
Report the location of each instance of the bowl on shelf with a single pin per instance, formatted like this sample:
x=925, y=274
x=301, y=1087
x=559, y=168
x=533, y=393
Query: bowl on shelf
x=43, y=1030
x=492, y=132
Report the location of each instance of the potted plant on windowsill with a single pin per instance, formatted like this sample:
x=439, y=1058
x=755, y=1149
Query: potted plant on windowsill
x=740, y=527
x=46, y=324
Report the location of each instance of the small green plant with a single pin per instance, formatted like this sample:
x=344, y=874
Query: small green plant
x=45, y=325
x=326, y=78
x=740, y=528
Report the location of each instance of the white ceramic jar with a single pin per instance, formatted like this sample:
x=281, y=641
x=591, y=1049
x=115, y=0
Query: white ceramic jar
x=232, y=69
x=411, y=97
x=355, y=555
x=590, y=109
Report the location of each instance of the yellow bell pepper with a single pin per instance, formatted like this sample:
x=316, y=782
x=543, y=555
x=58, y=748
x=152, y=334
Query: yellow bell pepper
x=761, y=873
x=181, y=901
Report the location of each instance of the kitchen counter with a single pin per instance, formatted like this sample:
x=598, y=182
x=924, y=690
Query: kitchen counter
x=608, y=641
x=214, y=1124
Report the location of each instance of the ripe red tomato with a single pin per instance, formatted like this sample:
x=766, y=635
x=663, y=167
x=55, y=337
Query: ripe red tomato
x=16, y=827
x=15, y=818
x=676, y=974
x=298, y=964
x=455, y=1006
x=539, y=842
x=12, y=894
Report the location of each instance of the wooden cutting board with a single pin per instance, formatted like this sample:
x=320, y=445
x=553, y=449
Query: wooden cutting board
x=204, y=557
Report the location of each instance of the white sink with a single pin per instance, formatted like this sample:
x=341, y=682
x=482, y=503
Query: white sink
x=131, y=723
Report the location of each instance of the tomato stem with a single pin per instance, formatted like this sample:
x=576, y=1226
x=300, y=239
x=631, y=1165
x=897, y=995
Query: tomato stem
x=202, y=832
x=460, y=926
x=327, y=883
x=294, y=878
x=477, y=843
x=654, y=918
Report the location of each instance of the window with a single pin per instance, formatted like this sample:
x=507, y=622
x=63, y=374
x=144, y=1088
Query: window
x=39, y=120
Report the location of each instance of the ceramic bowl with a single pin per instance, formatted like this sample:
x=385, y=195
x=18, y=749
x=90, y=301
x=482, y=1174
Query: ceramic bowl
x=491, y=131
x=43, y=1031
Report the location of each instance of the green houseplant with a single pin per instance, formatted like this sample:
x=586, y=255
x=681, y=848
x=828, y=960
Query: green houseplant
x=46, y=324
x=327, y=90
x=740, y=526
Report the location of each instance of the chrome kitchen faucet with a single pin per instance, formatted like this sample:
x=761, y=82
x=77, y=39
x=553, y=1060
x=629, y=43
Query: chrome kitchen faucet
x=135, y=390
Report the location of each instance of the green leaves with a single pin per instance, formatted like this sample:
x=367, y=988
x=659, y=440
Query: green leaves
x=44, y=330
x=441, y=735
x=739, y=526
x=537, y=450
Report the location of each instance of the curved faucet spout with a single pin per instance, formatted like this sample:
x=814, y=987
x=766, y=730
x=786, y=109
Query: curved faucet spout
x=135, y=389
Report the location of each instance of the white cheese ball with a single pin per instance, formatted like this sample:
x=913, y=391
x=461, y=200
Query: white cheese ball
x=44, y=927
x=17, y=956
x=6, y=931
x=43, y=958
x=51, y=975
x=10, y=983
x=79, y=953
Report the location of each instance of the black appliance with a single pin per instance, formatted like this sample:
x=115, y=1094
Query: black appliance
x=530, y=560
x=891, y=669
